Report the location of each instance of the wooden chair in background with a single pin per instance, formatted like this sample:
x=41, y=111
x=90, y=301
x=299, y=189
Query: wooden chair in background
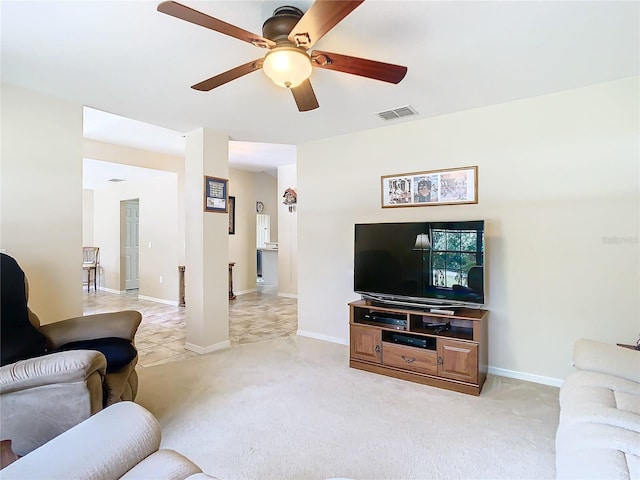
x=91, y=263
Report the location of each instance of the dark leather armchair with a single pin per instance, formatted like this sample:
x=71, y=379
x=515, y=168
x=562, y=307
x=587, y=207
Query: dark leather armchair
x=474, y=291
x=475, y=279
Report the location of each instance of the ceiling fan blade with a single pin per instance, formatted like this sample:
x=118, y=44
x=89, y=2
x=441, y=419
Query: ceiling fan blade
x=304, y=96
x=321, y=17
x=227, y=76
x=385, y=72
x=183, y=12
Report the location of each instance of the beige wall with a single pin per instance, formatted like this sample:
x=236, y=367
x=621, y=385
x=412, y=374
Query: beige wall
x=41, y=198
x=159, y=239
x=162, y=220
x=166, y=240
x=267, y=193
x=158, y=228
x=247, y=187
x=87, y=218
x=87, y=225
x=107, y=152
x=288, y=235
x=558, y=188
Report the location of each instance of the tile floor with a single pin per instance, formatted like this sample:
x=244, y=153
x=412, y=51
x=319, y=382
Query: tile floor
x=253, y=317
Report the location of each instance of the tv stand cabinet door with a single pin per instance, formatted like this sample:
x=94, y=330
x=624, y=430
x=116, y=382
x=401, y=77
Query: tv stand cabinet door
x=458, y=360
x=366, y=344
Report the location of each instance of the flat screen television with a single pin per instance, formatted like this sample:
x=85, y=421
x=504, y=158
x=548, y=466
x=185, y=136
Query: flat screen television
x=421, y=263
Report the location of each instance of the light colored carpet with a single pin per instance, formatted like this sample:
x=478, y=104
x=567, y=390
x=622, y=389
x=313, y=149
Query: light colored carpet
x=291, y=408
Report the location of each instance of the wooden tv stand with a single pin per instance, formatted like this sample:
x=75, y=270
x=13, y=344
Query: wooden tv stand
x=398, y=342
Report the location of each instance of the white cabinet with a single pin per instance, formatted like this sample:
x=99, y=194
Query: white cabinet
x=269, y=267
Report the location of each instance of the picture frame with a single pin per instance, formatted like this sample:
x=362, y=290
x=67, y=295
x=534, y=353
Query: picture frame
x=215, y=194
x=232, y=215
x=452, y=186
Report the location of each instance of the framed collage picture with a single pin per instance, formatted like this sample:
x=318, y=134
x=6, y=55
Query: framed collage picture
x=435, y=187
x=215, y=194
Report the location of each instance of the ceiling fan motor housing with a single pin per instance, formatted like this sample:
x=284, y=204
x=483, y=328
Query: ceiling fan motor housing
x=278, y=27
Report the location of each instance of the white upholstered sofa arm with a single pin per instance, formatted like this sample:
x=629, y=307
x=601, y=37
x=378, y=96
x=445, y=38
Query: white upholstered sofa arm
x=104, y=446
x=53, y=369
x=121, y=441
x=606, y=358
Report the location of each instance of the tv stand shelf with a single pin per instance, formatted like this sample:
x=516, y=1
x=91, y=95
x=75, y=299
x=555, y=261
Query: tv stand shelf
x=399, y=342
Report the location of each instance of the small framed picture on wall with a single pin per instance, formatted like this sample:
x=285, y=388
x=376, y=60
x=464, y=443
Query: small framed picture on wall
x=215, y=195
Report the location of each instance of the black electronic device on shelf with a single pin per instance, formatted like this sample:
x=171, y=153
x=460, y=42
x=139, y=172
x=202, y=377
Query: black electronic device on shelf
x=428, y=343
x=387, y=319
x=438, y=327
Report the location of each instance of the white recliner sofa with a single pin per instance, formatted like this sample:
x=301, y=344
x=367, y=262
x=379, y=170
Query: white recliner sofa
x=598, y=436
x=121, y=441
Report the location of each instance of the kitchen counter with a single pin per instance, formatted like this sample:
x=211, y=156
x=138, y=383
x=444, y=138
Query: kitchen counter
x=269, y=266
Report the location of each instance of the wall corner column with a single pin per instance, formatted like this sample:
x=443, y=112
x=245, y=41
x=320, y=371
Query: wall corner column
x=206, y=245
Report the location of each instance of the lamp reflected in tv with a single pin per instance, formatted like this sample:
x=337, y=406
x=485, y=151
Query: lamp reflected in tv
x=422, y=242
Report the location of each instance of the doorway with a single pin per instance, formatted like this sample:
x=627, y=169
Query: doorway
x=263, y=235
x=130, y=242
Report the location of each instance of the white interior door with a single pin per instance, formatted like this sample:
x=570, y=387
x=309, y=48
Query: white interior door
x=131, y=243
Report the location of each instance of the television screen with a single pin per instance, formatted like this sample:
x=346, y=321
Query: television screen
x=427, y=263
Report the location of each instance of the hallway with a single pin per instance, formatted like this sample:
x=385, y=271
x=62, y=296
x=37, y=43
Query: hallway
x=253, y=317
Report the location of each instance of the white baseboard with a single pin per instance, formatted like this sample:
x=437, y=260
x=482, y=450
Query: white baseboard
x=326, y=338
x=158, y=300
x=244, y=292
x=288, y=295
x=553, y=382
x=142, y=297
x=253, y=290
x=111, y=290
x=211, y=348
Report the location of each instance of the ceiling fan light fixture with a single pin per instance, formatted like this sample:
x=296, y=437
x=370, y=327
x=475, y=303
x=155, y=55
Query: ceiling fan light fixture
x=287, y=66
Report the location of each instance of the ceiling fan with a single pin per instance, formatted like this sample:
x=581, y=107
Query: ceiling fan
x=288, y=35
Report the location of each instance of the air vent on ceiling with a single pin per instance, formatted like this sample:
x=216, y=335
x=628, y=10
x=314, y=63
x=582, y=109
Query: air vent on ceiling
x=116, y=180
x=399, y=112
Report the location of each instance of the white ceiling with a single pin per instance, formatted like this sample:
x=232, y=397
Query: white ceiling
x=125, y=58
x=107, y=127
x=97, y=174
x=111, y=128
